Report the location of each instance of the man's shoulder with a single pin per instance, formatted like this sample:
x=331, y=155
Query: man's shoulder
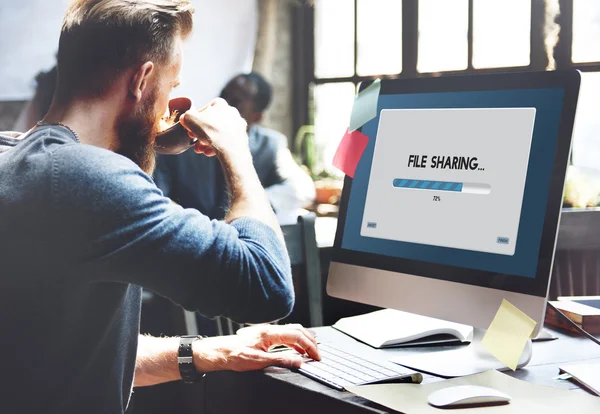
x=91, y=179
x=38, y=138
x=41, y=140
x=94, y=166
x=8, y=140
x=90, y=155
x=272, y=137
x=63, y=147
x=50, y=135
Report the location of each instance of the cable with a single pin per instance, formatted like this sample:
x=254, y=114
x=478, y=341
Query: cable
x=573, y=324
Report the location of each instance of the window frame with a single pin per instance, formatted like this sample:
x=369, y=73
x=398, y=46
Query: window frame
x=303, y=48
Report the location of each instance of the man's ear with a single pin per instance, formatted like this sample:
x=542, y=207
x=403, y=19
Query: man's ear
x=139, y=80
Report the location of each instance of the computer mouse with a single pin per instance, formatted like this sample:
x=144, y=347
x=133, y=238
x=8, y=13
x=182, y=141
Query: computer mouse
x=465, y=395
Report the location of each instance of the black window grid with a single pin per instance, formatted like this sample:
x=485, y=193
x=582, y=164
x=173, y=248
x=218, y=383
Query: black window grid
x=304, y=46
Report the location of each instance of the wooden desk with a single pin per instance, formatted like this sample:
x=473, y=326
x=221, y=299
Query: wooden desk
x=280, y=390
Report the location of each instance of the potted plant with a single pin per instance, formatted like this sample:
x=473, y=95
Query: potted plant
x=328, y=183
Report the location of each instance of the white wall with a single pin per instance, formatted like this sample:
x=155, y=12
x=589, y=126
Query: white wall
x=222, y=45
x=29, y=31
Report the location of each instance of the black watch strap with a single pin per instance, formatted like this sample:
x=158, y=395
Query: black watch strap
x=185, y=359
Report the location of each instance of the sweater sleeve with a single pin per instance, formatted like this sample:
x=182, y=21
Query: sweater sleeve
x=119, y=227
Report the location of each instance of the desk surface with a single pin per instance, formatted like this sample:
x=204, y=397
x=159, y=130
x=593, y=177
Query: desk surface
x=281, y=390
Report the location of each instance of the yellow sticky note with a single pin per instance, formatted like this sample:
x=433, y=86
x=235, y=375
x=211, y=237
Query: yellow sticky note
x=508, y=333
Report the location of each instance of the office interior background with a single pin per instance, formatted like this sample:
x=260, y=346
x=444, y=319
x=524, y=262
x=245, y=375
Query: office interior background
x=316, y=52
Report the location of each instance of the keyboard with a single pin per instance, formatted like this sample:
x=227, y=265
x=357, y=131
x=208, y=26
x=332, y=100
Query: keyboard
x=339, y=368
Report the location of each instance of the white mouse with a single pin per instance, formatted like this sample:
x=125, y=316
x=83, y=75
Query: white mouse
x=466, y=395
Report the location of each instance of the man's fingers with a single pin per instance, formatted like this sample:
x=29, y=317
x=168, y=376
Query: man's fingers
x=218, y=101
x=203, y=123
x=309, y=333
x=300, y=342
x=294, y=336
x=281, y=359
x=253, y=359
x=297, y=348
x=207, y=150
x=204, y=142
x=310, y=347
x=306, y=335
x=191, y=121
x=203, y=146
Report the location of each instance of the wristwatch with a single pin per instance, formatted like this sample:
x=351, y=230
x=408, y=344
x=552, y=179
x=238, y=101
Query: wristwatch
x=185, y=359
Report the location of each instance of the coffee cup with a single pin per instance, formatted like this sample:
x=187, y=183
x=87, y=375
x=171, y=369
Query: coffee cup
x=175, y=139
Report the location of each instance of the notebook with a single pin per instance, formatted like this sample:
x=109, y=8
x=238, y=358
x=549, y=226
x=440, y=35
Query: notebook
x=587, y=317
x=593, y=301
x=392, y=328
x=586, y=374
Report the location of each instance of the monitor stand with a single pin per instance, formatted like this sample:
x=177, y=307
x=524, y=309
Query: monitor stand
x=458, y=362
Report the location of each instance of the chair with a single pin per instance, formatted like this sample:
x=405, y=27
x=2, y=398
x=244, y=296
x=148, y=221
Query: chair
x=301, y=242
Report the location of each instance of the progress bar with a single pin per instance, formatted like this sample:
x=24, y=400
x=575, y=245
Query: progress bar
x=472, y=188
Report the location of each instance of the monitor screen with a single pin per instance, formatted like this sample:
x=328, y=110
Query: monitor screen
x=454, y=185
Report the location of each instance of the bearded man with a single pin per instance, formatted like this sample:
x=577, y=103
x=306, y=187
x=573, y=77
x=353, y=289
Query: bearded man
x=83, y=227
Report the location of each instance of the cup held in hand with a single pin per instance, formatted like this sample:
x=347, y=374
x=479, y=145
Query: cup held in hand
x=175, y=139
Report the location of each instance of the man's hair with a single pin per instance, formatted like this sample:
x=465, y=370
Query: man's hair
x=264, y=91
x=101, y=38
x=261, y=91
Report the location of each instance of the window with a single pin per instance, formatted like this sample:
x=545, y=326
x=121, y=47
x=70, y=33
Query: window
x=586, y=152
x=501, y=33
x=585, y=56
x=356, y=40
x=443, y=29
x=333, y=104
x=334, y=30
x=586, y=31
x=379, y=30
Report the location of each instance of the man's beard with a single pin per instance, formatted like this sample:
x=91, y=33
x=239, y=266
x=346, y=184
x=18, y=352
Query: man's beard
x=137, y=134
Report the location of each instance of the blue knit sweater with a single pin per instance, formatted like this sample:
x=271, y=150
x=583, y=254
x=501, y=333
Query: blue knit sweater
x=81, y=230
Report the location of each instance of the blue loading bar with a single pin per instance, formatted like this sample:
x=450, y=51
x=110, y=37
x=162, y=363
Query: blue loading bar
x=428, y=185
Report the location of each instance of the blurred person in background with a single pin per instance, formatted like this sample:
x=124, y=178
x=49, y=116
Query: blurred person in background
x=38, y=106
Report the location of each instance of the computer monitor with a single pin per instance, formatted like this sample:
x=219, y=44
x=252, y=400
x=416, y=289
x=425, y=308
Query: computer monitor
x=456, y=200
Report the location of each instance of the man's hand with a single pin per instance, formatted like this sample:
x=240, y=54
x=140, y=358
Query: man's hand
x=218, y=127
x=249, y=349
x=221, y=131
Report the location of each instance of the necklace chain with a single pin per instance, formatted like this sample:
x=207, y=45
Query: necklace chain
x=42, y=123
